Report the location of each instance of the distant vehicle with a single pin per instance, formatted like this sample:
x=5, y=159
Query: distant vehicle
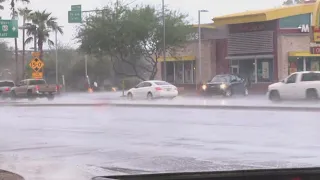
x=226, y=85
x=299, y=85
x=153, y=89
x=32, y=89
x=5, y=88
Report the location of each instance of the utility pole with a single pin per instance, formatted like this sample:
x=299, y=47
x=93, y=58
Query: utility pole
x=23, y=44
x=199, y=47
x=56, y=44
x=164, y=43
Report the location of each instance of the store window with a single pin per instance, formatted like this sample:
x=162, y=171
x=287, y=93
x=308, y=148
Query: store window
x=178, y=78
x=180, y=72
x=264, y=70
x=303, y=64
x=255, y=70
x=188, y=72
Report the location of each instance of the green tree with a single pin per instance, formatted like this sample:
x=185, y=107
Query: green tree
x=133, y=37
x=24, y=12
x=14, y=15
x=1, y=6
x=6, y=54
x=42, y=23
x=291, y=2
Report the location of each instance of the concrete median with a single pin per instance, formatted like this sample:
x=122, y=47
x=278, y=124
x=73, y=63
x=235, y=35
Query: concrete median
x=184, y=106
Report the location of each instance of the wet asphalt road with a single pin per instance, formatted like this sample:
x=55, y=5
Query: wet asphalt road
x=79, y=143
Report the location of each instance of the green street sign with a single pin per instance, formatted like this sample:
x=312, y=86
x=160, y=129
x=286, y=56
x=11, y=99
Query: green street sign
x=75, y=7
x=74, y=17
x=8, y=28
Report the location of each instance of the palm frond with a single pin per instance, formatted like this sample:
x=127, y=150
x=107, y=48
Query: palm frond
x=28, y=40
x=50, y=42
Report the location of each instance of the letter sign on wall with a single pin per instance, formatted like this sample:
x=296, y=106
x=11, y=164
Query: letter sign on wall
x=304, y=28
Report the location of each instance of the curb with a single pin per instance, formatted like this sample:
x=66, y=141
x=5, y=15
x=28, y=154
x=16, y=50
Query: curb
x=213, y=107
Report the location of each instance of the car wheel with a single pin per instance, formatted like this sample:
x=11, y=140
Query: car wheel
x=149, y=96
x=2, y=97
x=130, y=96
x=311, y=94
x=228, y=93
x=274, y=96
x=50, y=97
x=13, y=95
x=30, y=96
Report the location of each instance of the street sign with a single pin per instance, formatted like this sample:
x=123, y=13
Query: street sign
x=37, y=75
x=36, y=64
x=76, y=7
x=8, y=28
x=35, y=54
x=74, y=17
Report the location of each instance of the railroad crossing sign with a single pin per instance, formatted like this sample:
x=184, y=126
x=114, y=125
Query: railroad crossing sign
x=37, y=75
x=36, y=64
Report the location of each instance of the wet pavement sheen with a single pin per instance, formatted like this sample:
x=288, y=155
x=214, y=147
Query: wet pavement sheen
x=79, y=143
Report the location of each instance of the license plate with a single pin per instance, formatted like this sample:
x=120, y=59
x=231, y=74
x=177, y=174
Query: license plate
x=168, y=89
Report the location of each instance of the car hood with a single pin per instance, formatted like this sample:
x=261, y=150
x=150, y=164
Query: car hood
x=215, y=83
x=275, y=85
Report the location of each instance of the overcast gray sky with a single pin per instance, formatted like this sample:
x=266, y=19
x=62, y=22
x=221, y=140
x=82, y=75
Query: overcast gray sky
x=60, y=8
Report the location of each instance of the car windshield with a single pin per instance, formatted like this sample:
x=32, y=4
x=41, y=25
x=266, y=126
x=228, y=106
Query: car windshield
x=161, y=83
x=220, y=78
x=37, y=82
x=6, y=84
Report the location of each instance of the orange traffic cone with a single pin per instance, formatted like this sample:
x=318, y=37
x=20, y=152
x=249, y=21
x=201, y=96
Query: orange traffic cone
x=90, y=90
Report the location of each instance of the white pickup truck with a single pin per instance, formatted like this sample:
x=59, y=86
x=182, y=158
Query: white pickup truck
x=299, y=85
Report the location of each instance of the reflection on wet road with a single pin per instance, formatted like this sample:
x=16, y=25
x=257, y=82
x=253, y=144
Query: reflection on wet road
x=78, y=143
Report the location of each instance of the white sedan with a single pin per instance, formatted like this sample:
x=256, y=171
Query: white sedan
x=153, y=89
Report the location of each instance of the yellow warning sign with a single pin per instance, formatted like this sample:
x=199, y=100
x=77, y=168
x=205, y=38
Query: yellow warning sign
x=37, y=75
x=36, y=64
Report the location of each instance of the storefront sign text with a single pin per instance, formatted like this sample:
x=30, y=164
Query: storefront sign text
x=252, y=27
x=304, y=28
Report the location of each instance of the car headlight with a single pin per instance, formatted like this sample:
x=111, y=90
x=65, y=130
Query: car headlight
x=223, y=86
x=204, y=87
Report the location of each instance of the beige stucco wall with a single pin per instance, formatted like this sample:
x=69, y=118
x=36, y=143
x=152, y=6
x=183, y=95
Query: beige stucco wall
x=287, y=43
x=207, y=60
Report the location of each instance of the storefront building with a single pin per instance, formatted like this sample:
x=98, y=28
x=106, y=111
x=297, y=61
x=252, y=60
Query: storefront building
x=183, y=67
x=267, y=45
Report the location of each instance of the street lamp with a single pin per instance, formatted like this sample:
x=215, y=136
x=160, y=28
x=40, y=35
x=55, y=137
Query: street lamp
x=164, y=43
x=199, y=46
x=56, y=44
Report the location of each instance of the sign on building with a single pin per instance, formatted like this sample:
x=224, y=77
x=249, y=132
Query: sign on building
x=304, y=28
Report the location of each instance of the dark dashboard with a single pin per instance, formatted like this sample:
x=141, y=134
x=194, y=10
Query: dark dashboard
x=269, y=174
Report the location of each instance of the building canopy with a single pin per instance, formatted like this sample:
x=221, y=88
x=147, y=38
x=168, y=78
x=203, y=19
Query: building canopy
x=264, y=15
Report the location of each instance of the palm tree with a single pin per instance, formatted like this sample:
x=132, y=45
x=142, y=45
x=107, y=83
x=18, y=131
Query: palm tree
x=42, y=23
x=25, y=12
x=1, y=6
x=14, y=14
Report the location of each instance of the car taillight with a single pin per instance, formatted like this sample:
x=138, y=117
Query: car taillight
x=7, y=89
x=56, y=87
x=158, y=88
x=37, y=88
